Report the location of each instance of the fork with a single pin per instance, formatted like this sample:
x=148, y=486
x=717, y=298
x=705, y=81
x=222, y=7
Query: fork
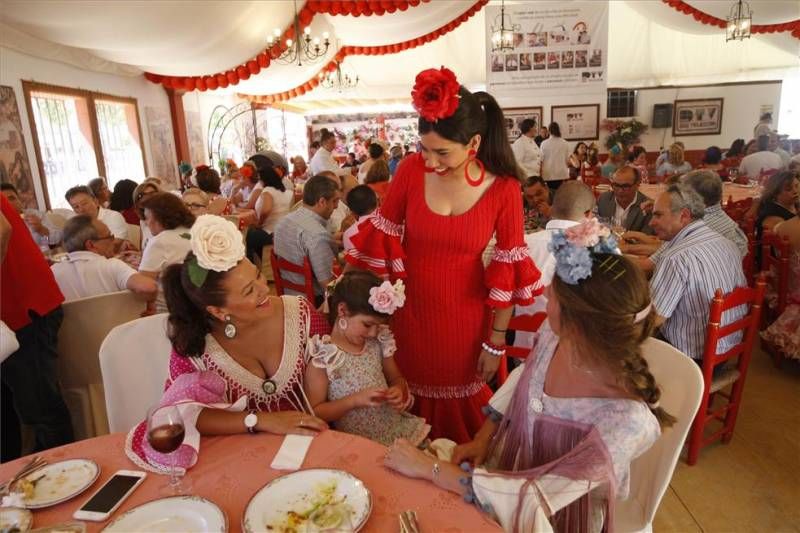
x=408, y=522
x=33, y=465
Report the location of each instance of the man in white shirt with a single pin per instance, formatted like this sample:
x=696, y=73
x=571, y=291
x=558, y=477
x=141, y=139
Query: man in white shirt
x=90, y=268
x=83, y=202
x=555, y=156
x=762, y=160
x=323, y=159
x=526, y=151
x=572, y=203
x=42, y=230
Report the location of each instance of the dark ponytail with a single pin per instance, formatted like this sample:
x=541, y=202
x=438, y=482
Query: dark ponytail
x=495, y=150
x=189, y=322
x=479, y=114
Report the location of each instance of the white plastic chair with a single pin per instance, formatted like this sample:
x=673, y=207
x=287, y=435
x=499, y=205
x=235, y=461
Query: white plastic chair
x=134, y=360
x=135, y=235
x=86, y=323
x=681, y=385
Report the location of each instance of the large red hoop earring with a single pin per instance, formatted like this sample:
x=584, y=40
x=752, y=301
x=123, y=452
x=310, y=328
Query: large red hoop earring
x=471, y=158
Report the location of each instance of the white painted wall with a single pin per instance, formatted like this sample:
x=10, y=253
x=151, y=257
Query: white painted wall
x=741, y=108
x=740, y=112
x=15, y=67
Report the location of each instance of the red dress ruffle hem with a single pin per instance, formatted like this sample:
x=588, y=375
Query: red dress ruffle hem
x=449, y=293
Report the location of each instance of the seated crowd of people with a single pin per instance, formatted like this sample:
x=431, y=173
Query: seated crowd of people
x=651, y=267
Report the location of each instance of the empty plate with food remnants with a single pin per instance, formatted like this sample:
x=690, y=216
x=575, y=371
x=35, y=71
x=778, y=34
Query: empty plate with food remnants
x=57, y=482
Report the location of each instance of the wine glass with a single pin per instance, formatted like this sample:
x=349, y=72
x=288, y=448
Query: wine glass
x=165, y=433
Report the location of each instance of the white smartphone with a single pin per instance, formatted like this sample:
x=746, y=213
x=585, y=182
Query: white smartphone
x=110, y=496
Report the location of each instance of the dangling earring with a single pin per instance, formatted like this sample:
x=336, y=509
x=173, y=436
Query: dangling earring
x=342, y=323
x=472, y=158
x=230, y=327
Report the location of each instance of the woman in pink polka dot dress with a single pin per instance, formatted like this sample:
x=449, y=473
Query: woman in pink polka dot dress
x=238, y=361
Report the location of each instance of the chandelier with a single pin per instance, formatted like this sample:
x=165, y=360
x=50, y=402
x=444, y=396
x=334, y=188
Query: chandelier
x=739, y=21
x=503, y=31
x=338, y=79
x=304, y=48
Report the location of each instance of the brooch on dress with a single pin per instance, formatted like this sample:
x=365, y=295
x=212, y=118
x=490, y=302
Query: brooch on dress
x=269, y=386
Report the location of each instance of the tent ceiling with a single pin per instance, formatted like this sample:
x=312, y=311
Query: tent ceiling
x=649, y=42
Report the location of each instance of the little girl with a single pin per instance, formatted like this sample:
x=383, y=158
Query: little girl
x=353, y=380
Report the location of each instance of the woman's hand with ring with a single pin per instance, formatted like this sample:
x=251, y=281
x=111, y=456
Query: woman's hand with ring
x=290, y=422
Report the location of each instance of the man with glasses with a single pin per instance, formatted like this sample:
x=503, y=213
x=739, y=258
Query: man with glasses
x=622, y=206
x=83, y=202
x=694, y=261
x=91, y=268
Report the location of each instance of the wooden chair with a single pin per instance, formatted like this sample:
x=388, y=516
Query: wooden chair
x=775, y=251
x=86, y=323
x=529, y=323
x=733, y=375
x=281, y=284
x=738, y=210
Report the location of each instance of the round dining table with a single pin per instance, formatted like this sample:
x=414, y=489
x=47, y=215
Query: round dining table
x=730, y=191
x=231, y=469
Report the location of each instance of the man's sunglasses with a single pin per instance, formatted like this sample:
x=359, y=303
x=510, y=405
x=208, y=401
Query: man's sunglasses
x=624, y=186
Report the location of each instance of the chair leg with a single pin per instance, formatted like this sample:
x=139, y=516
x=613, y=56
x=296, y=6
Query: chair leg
x=696, y=432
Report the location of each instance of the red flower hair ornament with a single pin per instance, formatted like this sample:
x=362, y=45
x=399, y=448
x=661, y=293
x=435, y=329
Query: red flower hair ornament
x=435, y=94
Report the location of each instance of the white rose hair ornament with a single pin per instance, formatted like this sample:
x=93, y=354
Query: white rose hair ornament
x=575, y=251
x=217, y=245
x=388, y=298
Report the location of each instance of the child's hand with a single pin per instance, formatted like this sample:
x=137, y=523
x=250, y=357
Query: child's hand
x=371, y=397
x=398, y=397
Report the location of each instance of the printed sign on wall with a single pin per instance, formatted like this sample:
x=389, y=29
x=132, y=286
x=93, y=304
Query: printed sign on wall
x=559, y=48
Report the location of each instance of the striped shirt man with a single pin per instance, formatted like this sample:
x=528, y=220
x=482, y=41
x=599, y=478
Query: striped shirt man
x=689, y=268
x=719, y=221
x=300, y=234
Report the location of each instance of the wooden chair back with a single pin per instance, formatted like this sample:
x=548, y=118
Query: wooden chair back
x=281, y=284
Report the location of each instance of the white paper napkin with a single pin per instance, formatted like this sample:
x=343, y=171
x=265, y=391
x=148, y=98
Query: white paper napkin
x=292, y=452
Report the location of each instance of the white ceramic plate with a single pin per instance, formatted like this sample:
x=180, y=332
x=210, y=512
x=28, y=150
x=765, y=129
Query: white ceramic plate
x=187, y=514
x=296, y=492
x=61, y=481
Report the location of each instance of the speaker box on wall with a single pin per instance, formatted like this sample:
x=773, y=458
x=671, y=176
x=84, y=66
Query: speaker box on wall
x=662, y=115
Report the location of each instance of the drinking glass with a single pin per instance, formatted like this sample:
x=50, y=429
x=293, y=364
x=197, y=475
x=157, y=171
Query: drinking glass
x=165, y=433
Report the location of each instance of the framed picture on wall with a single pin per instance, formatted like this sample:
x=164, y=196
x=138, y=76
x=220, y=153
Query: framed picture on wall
x=515, y=116
x=697, y=117
x=577, y=122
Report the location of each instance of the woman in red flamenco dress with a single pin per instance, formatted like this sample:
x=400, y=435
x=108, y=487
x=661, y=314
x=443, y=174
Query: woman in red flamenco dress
x=443, y=207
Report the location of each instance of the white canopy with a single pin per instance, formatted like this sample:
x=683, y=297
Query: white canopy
x=649, y=43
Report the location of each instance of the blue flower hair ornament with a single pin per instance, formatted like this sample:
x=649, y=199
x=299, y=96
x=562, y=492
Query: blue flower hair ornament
x=573, y=249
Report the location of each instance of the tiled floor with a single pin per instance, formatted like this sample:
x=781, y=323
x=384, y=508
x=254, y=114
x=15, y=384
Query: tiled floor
x=751, y=484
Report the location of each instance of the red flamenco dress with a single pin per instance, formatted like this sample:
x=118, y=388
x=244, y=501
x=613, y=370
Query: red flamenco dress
x=449, y=293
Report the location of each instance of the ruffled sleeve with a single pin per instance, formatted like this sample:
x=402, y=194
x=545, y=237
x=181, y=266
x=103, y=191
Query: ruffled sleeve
x=377, y=245
x=386, y=342
x=511, y=277
x=324, y=354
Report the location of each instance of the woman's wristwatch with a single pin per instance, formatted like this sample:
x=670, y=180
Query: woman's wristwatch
x=250, y=422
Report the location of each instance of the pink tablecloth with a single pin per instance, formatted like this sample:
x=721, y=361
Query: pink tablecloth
x=729, y=191
x=231, y=469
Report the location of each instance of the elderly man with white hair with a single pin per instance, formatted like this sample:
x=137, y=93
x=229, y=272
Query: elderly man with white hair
x=694, y=261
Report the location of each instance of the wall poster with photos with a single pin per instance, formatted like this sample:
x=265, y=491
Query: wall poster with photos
x=514, y=117
x=558, y=48
x=15, y=168
x=577, y=122
x=697, y=117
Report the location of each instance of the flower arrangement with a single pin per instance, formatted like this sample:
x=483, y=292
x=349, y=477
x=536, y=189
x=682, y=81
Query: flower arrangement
x=624, y=132
x=435, y=94
x=574, y=246
x=217, y=245
x=388, y=298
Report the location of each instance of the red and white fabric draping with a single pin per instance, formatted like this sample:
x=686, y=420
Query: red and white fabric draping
x=263, y=60
x=379, y=50
x=792, y=26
